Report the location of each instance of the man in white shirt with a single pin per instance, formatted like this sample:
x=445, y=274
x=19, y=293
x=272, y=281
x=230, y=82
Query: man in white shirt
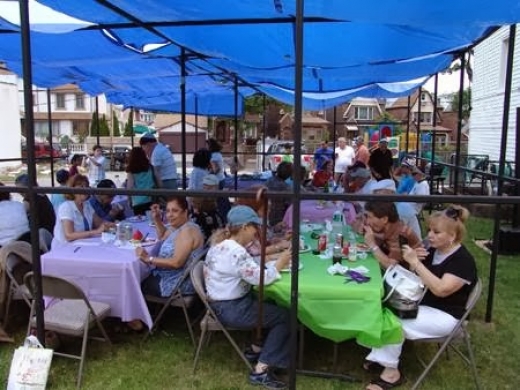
x=96, y=166
x=421, y=187
x=164, y=167
x=344, y=156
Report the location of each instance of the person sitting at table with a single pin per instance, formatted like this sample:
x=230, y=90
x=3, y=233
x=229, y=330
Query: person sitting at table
x=324, y=175
x=180, y=241
x=76, y=217
x=384, y=231
x=406, y=181
x=449, y=273
x=14, y=224
x=229, y=273
x=277, y=183
x=103, y=206
x=62, y=176
x=139, y=176
x=205, y=214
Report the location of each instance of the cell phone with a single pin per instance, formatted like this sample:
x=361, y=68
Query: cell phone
x=402, y=241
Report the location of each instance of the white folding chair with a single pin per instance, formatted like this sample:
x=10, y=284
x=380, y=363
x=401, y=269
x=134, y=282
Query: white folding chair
x=460, y=332
x=72, y=315
x=210, y=322
x=15, y=269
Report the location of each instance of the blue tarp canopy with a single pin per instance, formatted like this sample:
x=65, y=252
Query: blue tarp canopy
x=131, y=52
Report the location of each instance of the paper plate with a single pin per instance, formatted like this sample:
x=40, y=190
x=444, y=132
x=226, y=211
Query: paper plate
x=136, y=219
x=306, y=249
x=300, y=267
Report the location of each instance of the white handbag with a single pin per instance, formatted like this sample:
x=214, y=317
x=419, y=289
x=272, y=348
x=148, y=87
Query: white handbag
x=404, y=291
x=30, y=366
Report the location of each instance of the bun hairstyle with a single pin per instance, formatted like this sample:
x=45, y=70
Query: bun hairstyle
x=452, y=220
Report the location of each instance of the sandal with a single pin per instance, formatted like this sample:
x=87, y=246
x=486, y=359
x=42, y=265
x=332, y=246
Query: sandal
x=384, y=385
x=373, y=367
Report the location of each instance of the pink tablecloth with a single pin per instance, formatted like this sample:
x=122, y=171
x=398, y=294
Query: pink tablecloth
x=313, y=212
x=105, y=273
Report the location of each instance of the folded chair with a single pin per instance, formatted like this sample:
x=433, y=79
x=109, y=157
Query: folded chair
x=72, y=315
x=15, y=269
x=176, y=299
x=210, y=322
x=460, y=332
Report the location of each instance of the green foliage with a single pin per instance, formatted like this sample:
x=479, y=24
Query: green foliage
x=94, y=126
x=115, y=125
x=255, y=104
x=104, y=130
x=466, y=102
x=64, y=140
x=129, y=126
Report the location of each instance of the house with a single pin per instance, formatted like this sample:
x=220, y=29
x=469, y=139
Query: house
x=314, y=128
x=356, y=117
x=171, y=136
x=487, y=96
x=10, y=124
x=399, y=110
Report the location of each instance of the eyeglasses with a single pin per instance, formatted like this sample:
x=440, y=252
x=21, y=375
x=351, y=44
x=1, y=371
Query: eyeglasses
x=452, y=213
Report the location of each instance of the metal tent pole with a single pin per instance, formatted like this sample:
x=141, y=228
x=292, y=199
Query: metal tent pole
x=418, y=153
x=434, y=132
x=264, y=102
x=31, y=166
x=97, y=120
x=235, y=143
x=196, y=123
x=408, y=109
x=501, y=166
x=49, y=121
x=183, y=116
x=459, y=124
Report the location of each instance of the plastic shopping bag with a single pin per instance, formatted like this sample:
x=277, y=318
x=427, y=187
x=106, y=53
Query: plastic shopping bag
x=30, y=366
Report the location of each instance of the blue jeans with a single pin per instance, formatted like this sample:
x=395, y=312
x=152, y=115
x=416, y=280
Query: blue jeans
x=243, y=314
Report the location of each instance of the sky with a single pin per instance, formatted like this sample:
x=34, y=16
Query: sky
x=39, y=14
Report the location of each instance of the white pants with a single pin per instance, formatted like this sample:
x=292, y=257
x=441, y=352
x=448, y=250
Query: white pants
x=429, y=323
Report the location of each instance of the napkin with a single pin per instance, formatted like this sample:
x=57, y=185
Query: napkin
x=337, y=269
x=361, y=269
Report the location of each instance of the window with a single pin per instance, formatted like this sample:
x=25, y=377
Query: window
x=80, y=101
x=426, y=117
x=60, y=101
x=364, y=113
x=423, y=96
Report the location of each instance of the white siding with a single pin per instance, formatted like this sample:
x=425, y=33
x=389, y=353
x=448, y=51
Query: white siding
x=10, y=124
x=488, y=97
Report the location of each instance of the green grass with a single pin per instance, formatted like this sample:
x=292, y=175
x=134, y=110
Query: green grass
x=165, y=361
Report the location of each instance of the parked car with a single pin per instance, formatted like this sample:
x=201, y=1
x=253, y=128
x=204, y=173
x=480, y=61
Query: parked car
x=43, y=151
x=275, y=152
x=119, y=157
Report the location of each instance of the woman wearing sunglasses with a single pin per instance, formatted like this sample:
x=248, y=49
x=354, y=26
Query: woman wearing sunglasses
x=449, y=272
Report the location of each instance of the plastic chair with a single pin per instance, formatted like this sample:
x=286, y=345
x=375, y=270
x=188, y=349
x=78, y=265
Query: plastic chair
x=176, y=299
x=15, y=268
x=73, y=315
x=460, y=332
x=210, y=321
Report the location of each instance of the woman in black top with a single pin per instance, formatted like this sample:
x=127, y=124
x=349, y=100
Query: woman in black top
x=449, y=272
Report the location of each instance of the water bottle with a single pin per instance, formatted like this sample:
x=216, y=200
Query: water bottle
x=117, y=181
x=337, y=222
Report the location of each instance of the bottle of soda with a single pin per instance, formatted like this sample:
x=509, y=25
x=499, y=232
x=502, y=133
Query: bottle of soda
x=336, y=254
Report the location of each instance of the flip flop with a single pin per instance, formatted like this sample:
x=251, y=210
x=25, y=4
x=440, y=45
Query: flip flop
x=373, y=367
x=384, y=385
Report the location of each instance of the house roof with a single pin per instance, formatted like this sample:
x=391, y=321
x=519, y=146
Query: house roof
x=189, y=127
x=306, y=119
x=165, y=120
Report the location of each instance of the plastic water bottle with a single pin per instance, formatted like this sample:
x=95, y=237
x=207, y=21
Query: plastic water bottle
x=337, y=222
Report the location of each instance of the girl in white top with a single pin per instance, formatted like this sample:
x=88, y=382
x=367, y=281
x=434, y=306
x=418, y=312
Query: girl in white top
x=76, y=218
x=229, y=273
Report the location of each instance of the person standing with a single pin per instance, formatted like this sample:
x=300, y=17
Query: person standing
x=323, y=154
x=381, y=161
x=95, y=165
x=201, y=164
x=344, y=157
x=421, y=187
x=362, y=153
x=164, y=167
x=139, y=175
x=217, y=161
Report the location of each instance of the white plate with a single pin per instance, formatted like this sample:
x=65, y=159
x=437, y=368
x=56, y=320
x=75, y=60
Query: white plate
x=310, y=227
x=306, y=249
x=300, y=267
x=166, y=225
x=136, y=219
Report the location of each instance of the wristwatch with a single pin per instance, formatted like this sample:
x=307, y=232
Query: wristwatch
x=150, y=260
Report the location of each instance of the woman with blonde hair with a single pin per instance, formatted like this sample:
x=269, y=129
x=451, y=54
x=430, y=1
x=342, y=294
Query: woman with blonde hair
x=229, y=273
x=449, y=273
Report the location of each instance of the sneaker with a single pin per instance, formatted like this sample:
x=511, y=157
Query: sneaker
x=265, y=379
x=251, y=356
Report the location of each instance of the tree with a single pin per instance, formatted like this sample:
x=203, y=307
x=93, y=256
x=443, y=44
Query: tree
x=94, y=125
x=129, y=127
x=104, y=131
x=115, y=125
x=255, y=104
x=466, y=102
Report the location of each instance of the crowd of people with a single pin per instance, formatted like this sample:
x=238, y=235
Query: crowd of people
x=232, y=232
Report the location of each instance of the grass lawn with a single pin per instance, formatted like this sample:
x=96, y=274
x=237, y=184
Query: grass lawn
x=165, y=360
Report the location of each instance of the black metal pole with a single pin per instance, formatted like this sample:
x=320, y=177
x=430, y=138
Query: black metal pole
x=31, y=165
x=334, y=130
x=459, y=124
x=235, y=144
x=97, y=120
x=132, y=135
x=434, y=131
x=408, y=108
x=501, y=166
x=183, y=116
x=297, y=133
x=418, y=153
x=196, y=123
x=264, y=130
x=49, y=121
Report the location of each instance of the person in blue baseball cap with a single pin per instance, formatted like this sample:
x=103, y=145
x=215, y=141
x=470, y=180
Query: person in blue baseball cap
x=229, y=274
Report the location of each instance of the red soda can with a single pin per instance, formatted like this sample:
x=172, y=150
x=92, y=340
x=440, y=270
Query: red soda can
x=322, y=242
x=339, y=240
x=345, y=249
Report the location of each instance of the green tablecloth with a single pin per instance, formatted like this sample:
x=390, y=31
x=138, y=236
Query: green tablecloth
x=339, y=311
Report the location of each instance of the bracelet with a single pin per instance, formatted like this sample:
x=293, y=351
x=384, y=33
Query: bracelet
x=150, y=260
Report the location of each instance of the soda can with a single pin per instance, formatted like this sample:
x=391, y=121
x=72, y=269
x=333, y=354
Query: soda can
x=345, y=249
x=339, y=240
x=352, y=253
x=302, y=243
x=322, y=242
